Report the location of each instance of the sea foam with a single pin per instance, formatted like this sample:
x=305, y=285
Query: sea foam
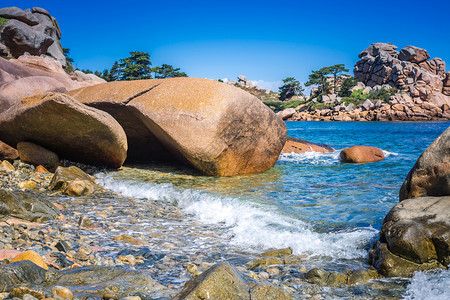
x=247, y=225
x=429, y=285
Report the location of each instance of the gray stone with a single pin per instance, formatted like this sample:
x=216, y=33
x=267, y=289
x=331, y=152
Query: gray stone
x=367, y=105
x=413, y=54
x=18, y=14
x=21, y=38
x=286, y=114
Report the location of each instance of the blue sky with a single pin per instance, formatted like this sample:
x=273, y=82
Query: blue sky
x=264, y=40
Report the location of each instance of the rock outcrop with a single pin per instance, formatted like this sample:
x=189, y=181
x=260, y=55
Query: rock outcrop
x=403, y=85
x=415, y=235
x=32, y=75
x=32, y=31
x=207, y=124
x=61, y=124
x=361, y=154
x=294, y=145
x=430, y=176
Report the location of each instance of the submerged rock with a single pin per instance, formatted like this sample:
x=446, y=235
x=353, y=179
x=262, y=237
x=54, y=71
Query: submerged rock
x=105, y=282
x=205, y=123
x=324, y=278
x=361, y=154
x=294, y=145
x=430, y=176
x=26, y=206
x=72, y=130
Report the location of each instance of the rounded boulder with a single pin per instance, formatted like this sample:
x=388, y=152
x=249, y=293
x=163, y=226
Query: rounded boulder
x=361, y=154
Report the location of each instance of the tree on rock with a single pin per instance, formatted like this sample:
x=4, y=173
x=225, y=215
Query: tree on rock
x=337, y=71
x=290, y=88
x=135, y=67
x=167, y=71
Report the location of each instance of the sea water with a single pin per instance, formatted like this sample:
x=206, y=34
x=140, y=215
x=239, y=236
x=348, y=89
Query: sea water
x=320, y=207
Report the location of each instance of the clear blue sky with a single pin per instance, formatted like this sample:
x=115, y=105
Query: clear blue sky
x=264, y=40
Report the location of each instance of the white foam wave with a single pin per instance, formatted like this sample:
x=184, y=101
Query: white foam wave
x=250, y=226
x=314, y=158
x=388, y=153
x=429, y=285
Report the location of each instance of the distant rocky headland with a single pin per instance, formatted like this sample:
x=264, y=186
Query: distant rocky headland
x=388, y=85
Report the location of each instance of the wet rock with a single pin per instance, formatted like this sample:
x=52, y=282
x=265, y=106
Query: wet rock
x=7, y=166
x=277, y=253
x=63, y=246
x=72, y=181
x=85, y=222
x=62, y=292
x=361, y=277
x=361, y=154
x=221, y=281
x=26, y=184
x=430, y=176
x=208, y=124
x=268, y=292
x=127, y=239
x=317, y=276
x=8, y=152
x=294, y=145
x=21, y=292
x=263, y=262
x=8, y=253
x=72, y=130
x=415, y=236
x=41, y=170
x=31, y=256
x=20, y=273
x=33, y=154
x=106, y=282
x=27, y=207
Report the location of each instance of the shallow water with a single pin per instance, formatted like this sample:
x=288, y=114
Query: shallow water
x=313, y=203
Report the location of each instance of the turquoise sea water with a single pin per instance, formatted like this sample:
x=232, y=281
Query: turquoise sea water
x=313, y=203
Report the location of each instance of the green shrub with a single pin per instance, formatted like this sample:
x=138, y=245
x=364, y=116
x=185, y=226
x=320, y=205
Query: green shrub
x=347, y=84
x=358, y=94
x=279, y=106
x=2, y=22
x=383, y=94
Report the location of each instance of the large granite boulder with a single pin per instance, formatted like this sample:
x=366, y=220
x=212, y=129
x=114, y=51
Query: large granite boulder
x=25, y=206
x=219, y=129
x=430, y=176
x=34, y=31
x=31, y=75
x=415, y=237
x=36, y=155
x=294, y=145
x=70, y=129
